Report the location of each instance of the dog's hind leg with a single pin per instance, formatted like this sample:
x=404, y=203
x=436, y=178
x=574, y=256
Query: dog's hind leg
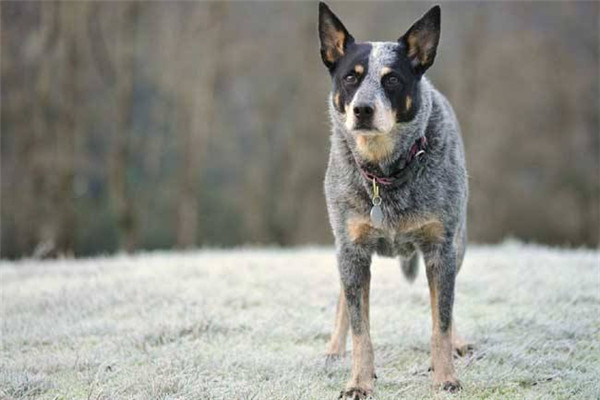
x=461, y=346
x=354, y=265
x=337, y=344
x=440, y=261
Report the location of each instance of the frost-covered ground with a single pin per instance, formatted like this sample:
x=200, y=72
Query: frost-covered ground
x=253, y=324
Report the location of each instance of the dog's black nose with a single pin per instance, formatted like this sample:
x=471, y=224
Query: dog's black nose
x=363, y=112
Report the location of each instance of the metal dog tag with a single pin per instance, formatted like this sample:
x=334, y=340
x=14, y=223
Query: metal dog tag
x=377, y=216
x=376, y=213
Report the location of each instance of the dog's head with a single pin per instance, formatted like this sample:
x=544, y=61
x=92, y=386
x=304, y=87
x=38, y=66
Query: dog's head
x=375, y=84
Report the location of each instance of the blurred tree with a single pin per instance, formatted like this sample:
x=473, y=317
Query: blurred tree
x=194, y=81
x=125, y=16
x=47, y=146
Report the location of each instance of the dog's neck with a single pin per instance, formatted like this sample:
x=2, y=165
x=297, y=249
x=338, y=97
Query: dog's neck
x=385, y=152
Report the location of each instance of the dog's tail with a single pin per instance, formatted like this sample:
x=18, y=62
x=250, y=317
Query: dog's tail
x=410, y=266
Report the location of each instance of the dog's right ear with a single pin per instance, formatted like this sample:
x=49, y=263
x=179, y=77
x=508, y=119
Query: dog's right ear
x=422, y=39
x=335, y=39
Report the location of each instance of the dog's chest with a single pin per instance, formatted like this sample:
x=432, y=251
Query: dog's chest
x=395, y=229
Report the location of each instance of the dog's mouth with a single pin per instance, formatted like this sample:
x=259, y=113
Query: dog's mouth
x=371, y=131
x=364, y=126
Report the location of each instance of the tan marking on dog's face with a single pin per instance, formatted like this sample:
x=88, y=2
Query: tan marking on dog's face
x=347, y=110
x=375, y=147
x=336, y=99
x=359, y=69
x=408, y=102
x=385, y=71
x=359, y=228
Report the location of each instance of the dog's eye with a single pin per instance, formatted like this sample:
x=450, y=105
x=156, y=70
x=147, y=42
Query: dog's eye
x=350, y=79
x=391, y=81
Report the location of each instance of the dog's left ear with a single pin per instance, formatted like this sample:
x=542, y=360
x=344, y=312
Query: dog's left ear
x=335, y=39
x=422, y=39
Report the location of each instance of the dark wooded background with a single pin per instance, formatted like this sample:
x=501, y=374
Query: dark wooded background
x=179, y=124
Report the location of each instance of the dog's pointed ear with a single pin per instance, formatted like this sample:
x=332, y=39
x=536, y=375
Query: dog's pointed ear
x=422, y=39
x=335, y=39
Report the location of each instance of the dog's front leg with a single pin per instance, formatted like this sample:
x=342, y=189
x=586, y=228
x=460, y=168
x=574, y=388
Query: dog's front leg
x=354, y=265
x=441, y=274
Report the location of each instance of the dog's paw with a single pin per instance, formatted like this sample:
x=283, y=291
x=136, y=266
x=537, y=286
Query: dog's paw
x=463, y=348
x=331, y=359
x=355, y=394
x=451, y=386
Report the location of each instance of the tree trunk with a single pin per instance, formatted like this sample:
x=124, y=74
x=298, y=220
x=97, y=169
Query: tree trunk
x=123, y=200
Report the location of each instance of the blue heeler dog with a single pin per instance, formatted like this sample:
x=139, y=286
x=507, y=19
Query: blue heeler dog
x=396, y=184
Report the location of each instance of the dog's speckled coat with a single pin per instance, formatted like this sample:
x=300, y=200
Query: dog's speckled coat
x=428, y=213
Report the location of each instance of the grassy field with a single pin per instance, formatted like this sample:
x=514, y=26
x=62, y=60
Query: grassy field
x=253, y=324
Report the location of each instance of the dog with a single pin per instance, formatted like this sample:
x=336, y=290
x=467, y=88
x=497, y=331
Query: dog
x=396, y=185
